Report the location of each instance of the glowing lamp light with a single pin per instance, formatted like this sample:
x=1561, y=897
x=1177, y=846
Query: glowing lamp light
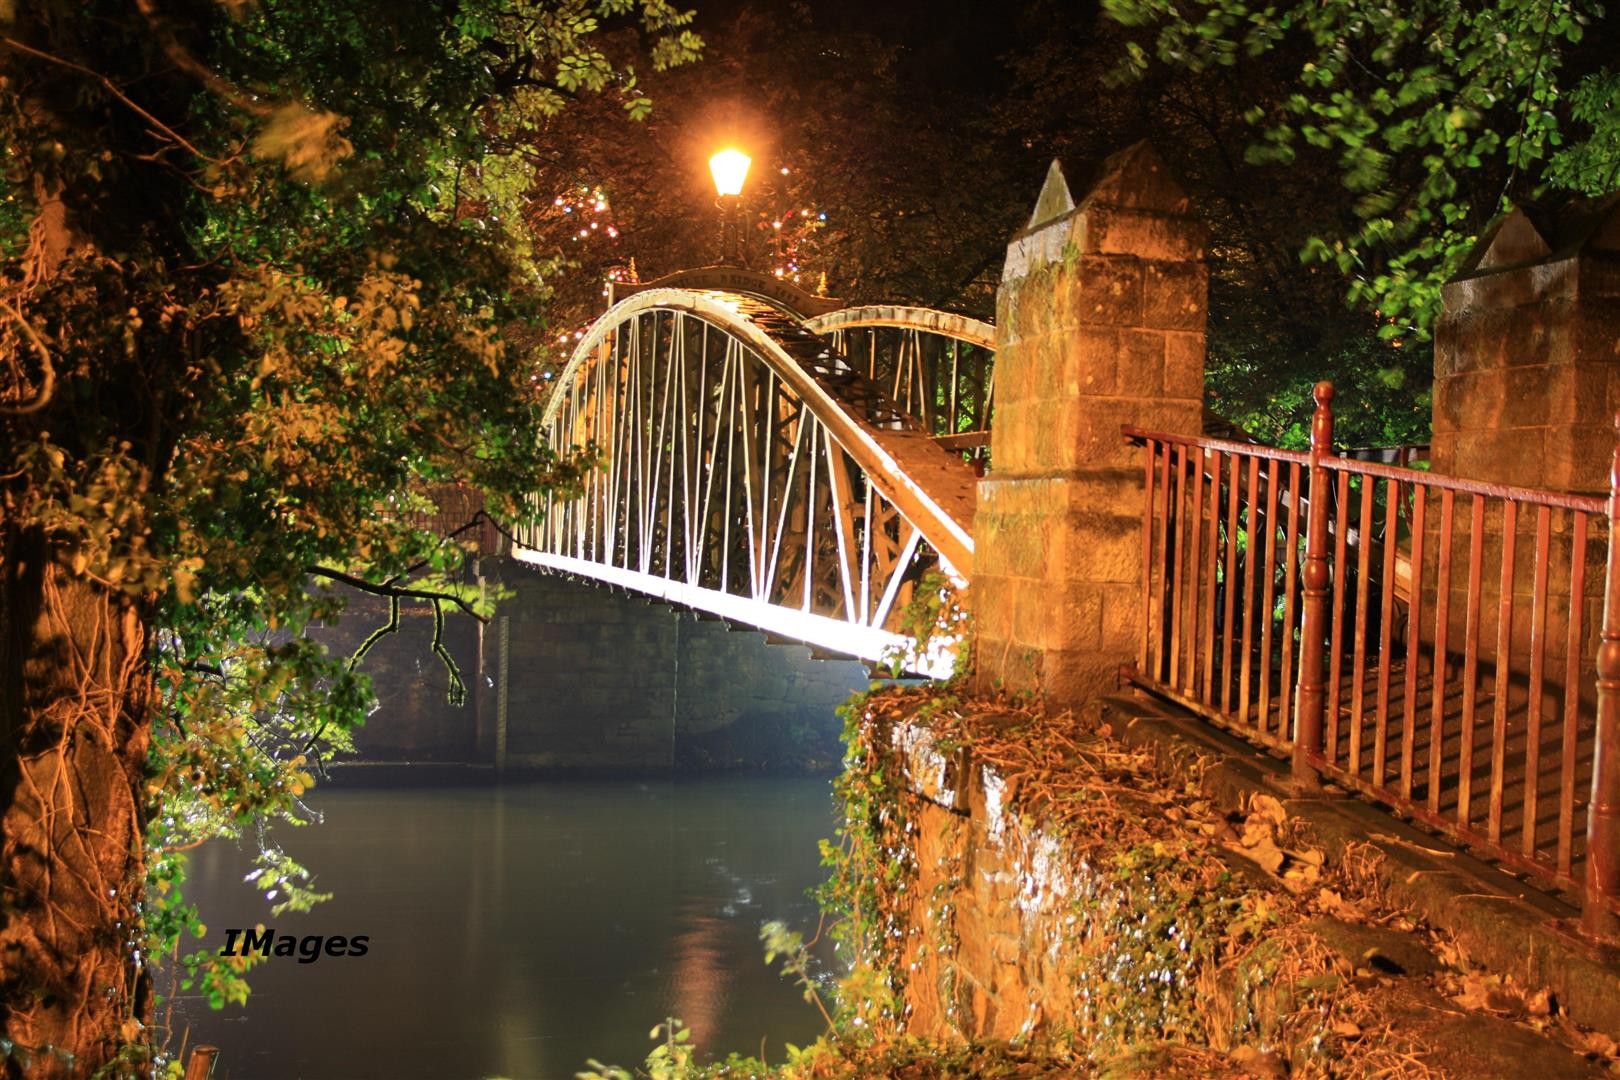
x=730, y=169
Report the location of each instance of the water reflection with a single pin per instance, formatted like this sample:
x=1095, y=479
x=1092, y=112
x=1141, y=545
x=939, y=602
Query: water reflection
x=701, y=978
x=516, y=931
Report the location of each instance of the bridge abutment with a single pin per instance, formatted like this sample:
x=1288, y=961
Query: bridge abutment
x=574, y=678
x=1100, y=322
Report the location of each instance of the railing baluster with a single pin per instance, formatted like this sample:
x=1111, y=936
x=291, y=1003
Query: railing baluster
x=1599, y=918
x=1195, y=511
x=1439, y=663
x=1269, y=592
x=1308, y=723
x=1210, y=577
x=1147, y=556
x=1166, y=515
x=1250, y=581
x=1285, y=699
x=1335, y=683
x=1358, y=660
x=1229, y=612
x=1177, y=606
x=1414, y=622
x=1476, y=560
x=1538, y=659
x=1504, y=670
x=1572, y=695
x=1386, y=637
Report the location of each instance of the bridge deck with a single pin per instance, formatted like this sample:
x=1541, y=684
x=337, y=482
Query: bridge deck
x=1353, y=753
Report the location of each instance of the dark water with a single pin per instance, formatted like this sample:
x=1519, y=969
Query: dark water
x=516, y=931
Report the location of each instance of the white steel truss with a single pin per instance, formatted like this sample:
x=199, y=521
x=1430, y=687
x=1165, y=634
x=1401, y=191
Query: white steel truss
x=747, y=468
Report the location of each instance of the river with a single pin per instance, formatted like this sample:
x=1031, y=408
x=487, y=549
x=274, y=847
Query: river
x=516, y=930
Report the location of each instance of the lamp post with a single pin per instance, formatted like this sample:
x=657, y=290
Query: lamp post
x=730, y=168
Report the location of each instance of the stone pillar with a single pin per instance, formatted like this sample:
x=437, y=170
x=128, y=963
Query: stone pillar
x=1527, y=381
x=1527, y=355
x=1100, y=322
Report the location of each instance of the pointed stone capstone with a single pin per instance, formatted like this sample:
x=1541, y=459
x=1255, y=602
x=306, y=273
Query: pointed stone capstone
x=1137, y=178
x=1512, y=241
x=1055, y=199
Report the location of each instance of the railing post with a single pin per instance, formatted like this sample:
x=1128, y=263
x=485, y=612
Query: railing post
x=201, y=1065
x=1313, y=631
x=1598, y=918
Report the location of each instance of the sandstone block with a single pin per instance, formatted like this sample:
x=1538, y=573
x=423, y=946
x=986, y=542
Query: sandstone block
x=1107, y=292
x=1175, y=295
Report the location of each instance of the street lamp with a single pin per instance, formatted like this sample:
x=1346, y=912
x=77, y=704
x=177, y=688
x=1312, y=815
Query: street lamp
x=729, y=168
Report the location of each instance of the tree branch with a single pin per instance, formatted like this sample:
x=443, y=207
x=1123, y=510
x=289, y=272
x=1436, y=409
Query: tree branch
x=393, y=590
x=451, y=535
x=112, y=88
x=182, y=59
x=47, y=382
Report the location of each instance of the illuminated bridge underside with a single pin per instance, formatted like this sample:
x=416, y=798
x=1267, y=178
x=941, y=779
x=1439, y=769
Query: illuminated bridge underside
x=748, y=469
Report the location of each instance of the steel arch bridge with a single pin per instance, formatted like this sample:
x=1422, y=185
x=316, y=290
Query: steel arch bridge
x=792, y=473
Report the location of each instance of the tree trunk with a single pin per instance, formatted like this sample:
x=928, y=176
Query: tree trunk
x=75, y=688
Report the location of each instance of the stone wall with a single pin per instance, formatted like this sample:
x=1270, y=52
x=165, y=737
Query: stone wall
x=596, y=680
x=603, y=680
x=1100, y=322
x=1102, y=892
x=414, y=720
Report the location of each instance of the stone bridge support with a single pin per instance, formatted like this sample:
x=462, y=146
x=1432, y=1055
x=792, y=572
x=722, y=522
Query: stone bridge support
x=1100, y=322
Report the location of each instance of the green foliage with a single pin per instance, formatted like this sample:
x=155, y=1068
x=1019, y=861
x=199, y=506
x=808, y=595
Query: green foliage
x=674, y=1058
x=281, y=307
x=870, y=853
x=934, y=620
x=1433, y=114
x=1378, y=401
x=796, y=962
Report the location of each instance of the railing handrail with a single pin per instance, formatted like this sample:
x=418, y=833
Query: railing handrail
x=1561, y=499
x=1338, y=462
x=1226, y=446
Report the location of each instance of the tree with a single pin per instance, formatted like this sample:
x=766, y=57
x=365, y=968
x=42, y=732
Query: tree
x=1434, y=116
x=923, y=143
x=244, y=310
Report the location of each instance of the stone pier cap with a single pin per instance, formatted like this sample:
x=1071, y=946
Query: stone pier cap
x=1123, y=213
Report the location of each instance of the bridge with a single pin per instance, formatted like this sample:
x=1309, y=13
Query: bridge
x=770, y=457
x=1444, y=641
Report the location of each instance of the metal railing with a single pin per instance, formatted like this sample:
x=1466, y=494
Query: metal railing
x=1447, y=647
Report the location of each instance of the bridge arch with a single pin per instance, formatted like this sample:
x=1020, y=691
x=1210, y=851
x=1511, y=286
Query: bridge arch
x=748, y=469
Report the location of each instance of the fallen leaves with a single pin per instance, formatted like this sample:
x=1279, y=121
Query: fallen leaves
x=1332, y=902
x=1594, y=1043
x=1264, y=825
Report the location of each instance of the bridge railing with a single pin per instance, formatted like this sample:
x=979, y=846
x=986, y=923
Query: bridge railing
x=1429, y=642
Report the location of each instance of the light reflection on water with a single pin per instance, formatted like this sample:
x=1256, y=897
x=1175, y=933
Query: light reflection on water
x=516, y=931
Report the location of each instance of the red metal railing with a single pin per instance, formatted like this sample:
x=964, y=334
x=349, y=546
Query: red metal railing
x=1436, y=644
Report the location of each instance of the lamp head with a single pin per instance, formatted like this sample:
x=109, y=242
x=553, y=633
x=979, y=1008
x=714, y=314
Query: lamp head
x=730, y=169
